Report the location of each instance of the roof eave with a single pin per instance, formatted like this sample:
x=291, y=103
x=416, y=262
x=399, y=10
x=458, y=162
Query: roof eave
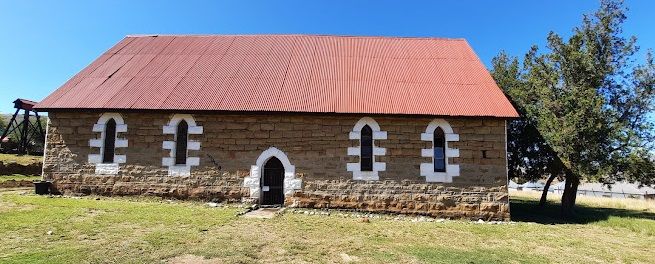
x=215, y=111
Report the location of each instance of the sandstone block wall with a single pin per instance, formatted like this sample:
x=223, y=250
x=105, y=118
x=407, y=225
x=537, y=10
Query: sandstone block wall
x=315, y=144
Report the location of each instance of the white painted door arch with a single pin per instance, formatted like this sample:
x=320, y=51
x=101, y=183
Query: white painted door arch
x=291, y=183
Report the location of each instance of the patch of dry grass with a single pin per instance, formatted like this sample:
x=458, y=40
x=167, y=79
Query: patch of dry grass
x=617, y=203
x=20, y=159
x=18, y=177
x=147, y=230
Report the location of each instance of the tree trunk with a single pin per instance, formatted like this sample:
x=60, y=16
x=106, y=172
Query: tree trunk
x=544, y=193
x=570, y=193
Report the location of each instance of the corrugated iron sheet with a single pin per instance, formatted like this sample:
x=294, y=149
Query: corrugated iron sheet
x=291, y=73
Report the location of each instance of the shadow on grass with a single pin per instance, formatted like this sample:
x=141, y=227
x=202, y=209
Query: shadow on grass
x=528, y=210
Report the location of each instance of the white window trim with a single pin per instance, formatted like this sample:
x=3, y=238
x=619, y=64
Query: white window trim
x=253, y=181
x=356, y=134
x=427, y=169
x=99, y=127
x=171, y=129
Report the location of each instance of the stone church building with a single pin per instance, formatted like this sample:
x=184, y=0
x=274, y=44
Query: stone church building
x=382, y=124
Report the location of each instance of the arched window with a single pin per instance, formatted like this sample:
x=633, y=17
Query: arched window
x=181, y=142
x=439, y=149
x=109, y=127
x=440, y=135
x=110, y=141
x=368, y=134
x=366, y=145
x=179, y=160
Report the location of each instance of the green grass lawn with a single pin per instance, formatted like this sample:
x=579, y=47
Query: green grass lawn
x=20, y=159
x=19, y=177
x=137, y=230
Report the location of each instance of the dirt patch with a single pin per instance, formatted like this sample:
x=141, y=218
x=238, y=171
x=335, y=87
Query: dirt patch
x=192, y=259
x=8, y=206
x=16, y=184
x=263, y=213
x=16, y=168
x=348, y=258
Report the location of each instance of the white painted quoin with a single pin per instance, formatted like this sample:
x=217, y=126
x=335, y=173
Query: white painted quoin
x=99, y=143
x=171, y=129
x=253, y=182
x=427, y=169
x=356, y=134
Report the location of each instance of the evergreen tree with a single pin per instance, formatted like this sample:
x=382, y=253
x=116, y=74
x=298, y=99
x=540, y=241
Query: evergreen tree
x=589, y=101
x=529, y=156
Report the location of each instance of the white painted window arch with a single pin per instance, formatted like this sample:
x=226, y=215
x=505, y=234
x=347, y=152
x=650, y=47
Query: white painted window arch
x=100, y=127
x=253, y=181
x=377, y=134
x=427, y=169
x=171, y=129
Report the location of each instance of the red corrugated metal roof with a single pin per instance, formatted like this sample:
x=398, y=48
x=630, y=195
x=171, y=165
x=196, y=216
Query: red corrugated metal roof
x=290, y=73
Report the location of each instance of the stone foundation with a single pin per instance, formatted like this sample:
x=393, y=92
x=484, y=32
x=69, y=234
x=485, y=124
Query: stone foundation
x=406, y=197
x=317, y=147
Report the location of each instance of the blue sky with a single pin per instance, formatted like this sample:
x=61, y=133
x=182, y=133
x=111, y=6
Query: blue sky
x=46, y=42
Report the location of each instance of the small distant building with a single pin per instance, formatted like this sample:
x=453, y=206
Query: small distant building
x=557, y=188
x=533, y=186
x=513, y=185
x=615, y=190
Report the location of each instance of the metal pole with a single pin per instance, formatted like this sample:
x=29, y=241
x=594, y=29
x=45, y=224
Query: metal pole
x=38, y=124
x=22, y=147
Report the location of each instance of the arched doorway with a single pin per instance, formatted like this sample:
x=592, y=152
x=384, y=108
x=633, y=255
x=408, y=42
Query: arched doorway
x=254, y=181
x=272, y=183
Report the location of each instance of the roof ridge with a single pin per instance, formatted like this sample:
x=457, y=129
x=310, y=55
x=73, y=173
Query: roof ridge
x=296, y=35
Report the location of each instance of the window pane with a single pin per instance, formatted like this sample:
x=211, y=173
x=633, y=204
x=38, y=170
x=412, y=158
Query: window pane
x=439, y=138
x=367, y=164
x=439, y=150
x=367, y=151
x=438, y=153
x=181, y=143
x=110, y=141
x=439, y=165
x=366, y=146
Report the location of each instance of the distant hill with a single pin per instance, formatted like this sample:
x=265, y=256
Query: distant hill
x=5, y=117
x=4, y=120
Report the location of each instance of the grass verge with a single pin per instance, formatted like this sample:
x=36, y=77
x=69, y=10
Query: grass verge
x=20, y=159
x=18, y=177
x=137, y=230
